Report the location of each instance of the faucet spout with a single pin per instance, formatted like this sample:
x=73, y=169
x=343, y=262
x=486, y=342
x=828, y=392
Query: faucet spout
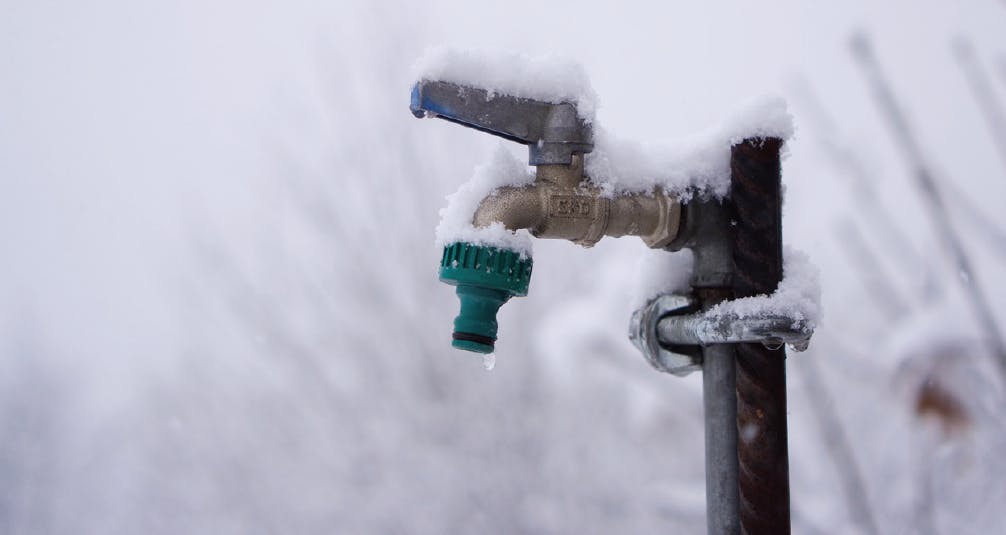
x=515, y=207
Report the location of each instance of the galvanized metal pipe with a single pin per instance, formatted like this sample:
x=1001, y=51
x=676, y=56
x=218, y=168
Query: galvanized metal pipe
x=706, y=234
x=702, y=330
x=719, y=402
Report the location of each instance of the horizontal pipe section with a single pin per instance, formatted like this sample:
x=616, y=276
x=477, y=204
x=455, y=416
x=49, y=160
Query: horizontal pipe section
x=701, y=330
x=551, y=208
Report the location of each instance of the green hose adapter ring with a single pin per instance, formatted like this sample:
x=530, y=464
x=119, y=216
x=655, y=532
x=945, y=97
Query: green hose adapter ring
x=486, y=277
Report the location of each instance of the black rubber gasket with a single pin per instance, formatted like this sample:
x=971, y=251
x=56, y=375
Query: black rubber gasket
x=477, y=338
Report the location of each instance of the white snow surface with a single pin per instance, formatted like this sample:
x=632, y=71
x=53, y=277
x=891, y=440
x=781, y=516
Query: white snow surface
x=698, y=164
x=456, y=218
x=549, y=78
x=798, y=295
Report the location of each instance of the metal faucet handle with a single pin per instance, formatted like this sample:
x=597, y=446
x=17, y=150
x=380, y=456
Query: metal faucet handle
x=553, y=132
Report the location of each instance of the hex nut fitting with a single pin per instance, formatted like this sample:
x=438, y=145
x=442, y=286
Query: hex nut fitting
x=668, y=223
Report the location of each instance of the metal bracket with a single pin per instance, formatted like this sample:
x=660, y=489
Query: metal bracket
x=643, y=332
x=668, y=330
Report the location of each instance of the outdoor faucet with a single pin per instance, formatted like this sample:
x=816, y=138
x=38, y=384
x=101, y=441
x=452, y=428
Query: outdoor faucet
x=561, y=203
x=737, y=259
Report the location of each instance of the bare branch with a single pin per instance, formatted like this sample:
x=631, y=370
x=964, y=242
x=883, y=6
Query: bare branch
x=838, y=446
x=982, y=92
x=948, y=236
x=870, y=270
x=842, y=155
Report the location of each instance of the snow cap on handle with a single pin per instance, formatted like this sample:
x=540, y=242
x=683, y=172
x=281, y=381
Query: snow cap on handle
x=553, y=132
x=486, y=277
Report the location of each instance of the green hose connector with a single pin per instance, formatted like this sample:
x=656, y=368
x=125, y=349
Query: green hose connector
x=486, y=278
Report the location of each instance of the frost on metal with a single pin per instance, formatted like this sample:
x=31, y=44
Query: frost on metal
x=549, y=78
x=456, y=218
x=797, y=297
x=698, y=164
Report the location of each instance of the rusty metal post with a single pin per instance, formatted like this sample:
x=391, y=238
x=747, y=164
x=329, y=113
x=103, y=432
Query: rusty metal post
x=756, y=232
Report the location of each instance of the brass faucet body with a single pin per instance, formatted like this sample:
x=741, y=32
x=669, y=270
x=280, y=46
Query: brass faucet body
x=563, y=204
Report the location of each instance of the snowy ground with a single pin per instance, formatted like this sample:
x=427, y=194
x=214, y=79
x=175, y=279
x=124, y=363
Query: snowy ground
x=218, y=301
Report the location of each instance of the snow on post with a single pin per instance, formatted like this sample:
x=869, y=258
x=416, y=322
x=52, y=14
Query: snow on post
x=798, y=296
x=698, y=165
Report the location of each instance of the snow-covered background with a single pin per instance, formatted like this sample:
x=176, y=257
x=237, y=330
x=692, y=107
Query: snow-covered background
x=219, y=310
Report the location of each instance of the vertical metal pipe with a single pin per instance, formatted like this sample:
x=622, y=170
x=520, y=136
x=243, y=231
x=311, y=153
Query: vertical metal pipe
x=720, y=404
x=711, y=276
x=756, y=232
